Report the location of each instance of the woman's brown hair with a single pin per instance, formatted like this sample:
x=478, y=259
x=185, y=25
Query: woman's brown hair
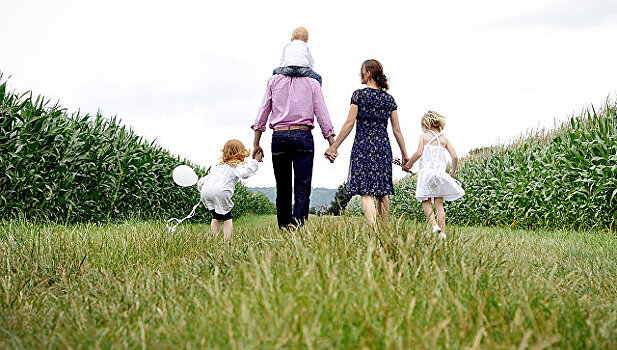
x=376, y=70
x=234, y=153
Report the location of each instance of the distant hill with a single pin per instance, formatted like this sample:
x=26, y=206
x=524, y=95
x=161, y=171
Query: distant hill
x=319, y=195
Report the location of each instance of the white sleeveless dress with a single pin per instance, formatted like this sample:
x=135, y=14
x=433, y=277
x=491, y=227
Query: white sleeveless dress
x=433, y=181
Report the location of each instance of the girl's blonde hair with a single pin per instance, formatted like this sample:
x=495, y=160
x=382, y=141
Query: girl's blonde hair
x=234, y=153
x=433, y=119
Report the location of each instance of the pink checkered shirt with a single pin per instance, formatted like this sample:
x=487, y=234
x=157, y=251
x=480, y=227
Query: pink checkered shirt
x=293, y=101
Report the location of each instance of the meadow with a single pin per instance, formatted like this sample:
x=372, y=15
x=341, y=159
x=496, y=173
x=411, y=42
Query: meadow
x=529, y=262
x=335, y=283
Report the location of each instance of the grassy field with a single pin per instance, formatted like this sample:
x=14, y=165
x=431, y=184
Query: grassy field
x=332, y=284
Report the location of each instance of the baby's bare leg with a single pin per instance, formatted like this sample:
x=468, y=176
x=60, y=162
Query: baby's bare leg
x=441, y=214
x=369, y=209
x=228, y=227
x=428, y=211
x=215, y=227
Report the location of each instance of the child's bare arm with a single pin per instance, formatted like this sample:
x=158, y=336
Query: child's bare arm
x=450, y=149
x=414, y=158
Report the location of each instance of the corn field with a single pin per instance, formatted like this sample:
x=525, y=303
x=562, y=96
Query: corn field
x=73, y=168
x=561, y=178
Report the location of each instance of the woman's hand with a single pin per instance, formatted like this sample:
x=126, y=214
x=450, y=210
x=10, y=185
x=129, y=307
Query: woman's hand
x=452, y=173
x=331, y=153
x=405, y=160
x=406, y=167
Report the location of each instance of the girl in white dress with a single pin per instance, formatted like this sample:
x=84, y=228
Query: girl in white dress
x=434, y=185
x=218, y=186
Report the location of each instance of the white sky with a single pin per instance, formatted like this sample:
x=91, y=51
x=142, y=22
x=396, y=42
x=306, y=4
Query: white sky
x=191, y=74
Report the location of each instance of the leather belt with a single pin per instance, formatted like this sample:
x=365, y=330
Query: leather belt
x=294, y=127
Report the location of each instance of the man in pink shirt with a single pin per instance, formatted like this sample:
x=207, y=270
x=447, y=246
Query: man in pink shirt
x=293, y=102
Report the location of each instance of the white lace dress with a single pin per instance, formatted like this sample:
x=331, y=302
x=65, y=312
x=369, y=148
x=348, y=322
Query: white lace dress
x=218, y=186
x=433, y=181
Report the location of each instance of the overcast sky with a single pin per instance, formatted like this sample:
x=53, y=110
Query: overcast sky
x=191, y=74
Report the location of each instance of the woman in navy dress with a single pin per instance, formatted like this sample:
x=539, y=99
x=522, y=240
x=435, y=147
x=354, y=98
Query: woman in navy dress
x=370, y=169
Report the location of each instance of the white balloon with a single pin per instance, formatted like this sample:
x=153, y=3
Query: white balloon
x=184, y=176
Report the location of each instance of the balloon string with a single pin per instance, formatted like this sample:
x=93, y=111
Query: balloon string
x=172, y=229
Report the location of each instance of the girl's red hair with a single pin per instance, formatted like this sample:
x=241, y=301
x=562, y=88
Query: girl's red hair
x=234, y=153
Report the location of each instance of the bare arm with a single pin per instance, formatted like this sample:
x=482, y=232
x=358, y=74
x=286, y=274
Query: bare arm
x=398, y=135
x=416, y=155
x=330, y=140
x=332, y=152
x=450, y=149
x=347, y=126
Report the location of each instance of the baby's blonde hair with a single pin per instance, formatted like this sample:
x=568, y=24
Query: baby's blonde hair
x=299, y=33
x=234, y=153
x=433, y=119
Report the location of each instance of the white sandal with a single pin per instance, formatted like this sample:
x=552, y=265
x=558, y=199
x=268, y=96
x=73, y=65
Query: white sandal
x=437, y=229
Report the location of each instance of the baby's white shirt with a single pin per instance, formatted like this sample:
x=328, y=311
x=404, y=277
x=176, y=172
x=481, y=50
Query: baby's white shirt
x=297, y=53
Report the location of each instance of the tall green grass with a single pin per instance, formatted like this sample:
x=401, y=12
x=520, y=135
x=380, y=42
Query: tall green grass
x=333, y=284
x=560, y=178
x=73, y=168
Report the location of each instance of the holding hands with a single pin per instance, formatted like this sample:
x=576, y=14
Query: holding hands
x=406, y=166
x=258, y=155
x=331, y=153
x=258, y=152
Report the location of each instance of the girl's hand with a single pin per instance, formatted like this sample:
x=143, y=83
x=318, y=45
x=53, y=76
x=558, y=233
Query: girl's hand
x=407, y=165
x=258, y=150
x=452, y=173
x=331, y=154
x=259, y=156
x=405, y=159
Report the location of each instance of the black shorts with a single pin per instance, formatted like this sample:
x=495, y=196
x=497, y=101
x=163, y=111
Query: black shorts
x=221, y=217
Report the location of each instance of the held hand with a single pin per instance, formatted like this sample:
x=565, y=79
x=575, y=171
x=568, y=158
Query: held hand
x=258, y=152
x=452, y=173
x=259, y=156
x=331, y=154
x=407, y=166
x=405, y=161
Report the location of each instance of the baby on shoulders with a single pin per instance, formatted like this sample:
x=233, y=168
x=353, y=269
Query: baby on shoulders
x=296, y=60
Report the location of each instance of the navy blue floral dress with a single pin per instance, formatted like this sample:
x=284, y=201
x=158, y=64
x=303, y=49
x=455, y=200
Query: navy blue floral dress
x=370, y=168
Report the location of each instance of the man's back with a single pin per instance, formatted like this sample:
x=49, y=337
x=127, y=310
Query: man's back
x=293, y=101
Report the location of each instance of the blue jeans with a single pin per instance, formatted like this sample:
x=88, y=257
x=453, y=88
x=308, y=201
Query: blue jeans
x=295, y=71
x=292, y=149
